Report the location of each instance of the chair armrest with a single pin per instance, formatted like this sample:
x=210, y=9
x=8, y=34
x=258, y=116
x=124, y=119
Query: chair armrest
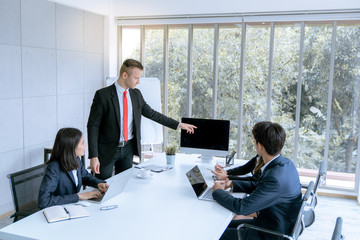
x=260, y=229
x=304, y=186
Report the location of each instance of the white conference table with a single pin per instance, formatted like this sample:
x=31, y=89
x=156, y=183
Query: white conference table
x=162, y=207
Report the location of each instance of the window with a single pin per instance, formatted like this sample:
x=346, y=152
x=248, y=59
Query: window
x=154, y=52
x=270, y=85
x=202, y=82
x=344, y=127
x=284, y=81
x=314, y=95
x=255, y=83
x=131, y=42
x=177, y=83
x=229, y=78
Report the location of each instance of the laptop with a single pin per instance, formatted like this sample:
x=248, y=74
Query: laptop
x=116, y=186
x=197, y=181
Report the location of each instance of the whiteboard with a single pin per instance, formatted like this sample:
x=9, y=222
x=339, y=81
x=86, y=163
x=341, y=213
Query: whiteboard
x=151, y=132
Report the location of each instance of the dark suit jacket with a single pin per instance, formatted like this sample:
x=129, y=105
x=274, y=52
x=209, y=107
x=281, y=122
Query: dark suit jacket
x=104, y=122
x=244, y=169
x=58, y=187
x=276, y=197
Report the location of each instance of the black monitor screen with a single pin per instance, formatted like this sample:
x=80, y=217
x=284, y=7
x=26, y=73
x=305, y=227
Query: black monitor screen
x=209, y=134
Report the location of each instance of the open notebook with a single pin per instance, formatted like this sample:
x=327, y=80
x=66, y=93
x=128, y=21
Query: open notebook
x=60, y=213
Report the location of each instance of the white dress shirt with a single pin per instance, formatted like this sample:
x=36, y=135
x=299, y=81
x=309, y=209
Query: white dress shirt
x=120, y=92
x=263, y=167
x=74, y=172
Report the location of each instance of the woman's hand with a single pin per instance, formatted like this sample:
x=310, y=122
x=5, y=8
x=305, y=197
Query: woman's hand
x=89, y=195
x=103, y=187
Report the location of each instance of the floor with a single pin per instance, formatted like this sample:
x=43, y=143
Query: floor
x=327, y=210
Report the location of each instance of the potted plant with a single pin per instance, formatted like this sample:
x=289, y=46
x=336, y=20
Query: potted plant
x=170, y=154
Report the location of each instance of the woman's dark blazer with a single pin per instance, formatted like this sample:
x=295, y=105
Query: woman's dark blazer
x=58, y=187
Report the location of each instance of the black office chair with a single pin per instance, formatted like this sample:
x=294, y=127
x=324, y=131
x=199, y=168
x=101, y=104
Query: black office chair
x=299, y=224
x=25, y=187
x=337, y=234
x=309, y=214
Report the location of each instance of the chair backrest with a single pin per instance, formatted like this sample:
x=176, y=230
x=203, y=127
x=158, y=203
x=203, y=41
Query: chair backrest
x=320, y=177
x=25, y=187
x=309, y=216
x=337, y=234
x=300, y=224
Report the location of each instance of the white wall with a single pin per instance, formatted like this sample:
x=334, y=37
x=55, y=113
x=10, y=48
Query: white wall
x=102, y=7
x=166, y=7
x=51, y=64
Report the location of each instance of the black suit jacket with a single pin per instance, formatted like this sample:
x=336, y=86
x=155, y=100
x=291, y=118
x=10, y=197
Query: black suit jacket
x=58, y=187
x=276, y=197
x=104, y=122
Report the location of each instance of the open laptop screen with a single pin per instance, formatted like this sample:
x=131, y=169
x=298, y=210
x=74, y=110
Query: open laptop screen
x=197, y=180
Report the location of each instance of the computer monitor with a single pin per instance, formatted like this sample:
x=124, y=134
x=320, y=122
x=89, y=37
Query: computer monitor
x=210, y=138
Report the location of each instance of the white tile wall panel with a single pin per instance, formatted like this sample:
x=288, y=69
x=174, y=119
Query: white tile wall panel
x=11, y=124
x=70, y=77
x=93, y=33
x=10, y=71
x=93, y=72
x=40, y=120
x=69, y=28
x=34, y=155
x=71, y=111
x=38, y=23
x=10, y=22
x=39, y=71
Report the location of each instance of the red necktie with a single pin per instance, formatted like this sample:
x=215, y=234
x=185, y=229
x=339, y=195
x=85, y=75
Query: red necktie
x=125, y=118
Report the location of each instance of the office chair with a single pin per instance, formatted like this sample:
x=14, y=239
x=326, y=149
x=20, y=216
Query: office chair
x=309, y=214
x=298, y=226
x=320, y=179
x=25, y=187
x=337, y=234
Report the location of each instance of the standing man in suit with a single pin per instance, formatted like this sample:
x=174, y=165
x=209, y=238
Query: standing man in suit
x=114, y=122
x=275, y=197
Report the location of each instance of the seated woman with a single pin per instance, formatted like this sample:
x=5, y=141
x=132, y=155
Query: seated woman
x=65, y=173
x=253, y=166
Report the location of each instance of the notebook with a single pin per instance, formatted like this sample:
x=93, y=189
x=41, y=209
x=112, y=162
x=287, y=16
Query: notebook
x=116, y=186
x=197, y=181
x=60, y=213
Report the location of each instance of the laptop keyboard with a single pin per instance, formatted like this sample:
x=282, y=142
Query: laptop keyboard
x=98, y=199
x=207, y=194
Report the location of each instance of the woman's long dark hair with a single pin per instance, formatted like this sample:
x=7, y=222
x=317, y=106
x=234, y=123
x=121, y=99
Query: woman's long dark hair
x=64, y=148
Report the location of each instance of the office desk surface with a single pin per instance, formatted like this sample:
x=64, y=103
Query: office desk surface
x=162, y=207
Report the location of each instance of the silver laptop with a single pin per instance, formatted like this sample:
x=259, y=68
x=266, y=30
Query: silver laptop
x=116, y=186
x=197, y=181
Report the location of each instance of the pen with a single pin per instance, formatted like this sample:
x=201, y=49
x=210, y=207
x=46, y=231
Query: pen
x=67, y=211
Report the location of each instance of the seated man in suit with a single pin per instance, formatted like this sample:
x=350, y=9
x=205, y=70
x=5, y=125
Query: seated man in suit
x=276, y=196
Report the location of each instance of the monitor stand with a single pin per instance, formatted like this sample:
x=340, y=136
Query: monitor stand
x=206, y=158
